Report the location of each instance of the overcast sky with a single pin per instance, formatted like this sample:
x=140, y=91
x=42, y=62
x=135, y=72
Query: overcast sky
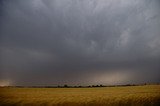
x=79, y=42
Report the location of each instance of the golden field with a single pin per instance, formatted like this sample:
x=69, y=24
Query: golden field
x=147, y=95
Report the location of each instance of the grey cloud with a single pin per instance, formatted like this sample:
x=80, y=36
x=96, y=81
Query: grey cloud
x=62, y=41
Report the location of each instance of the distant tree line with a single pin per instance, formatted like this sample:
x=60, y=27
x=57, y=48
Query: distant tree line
x=80, y=86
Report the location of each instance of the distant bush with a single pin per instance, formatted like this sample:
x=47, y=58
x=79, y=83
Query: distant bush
x=80, y=86
x=66, y=86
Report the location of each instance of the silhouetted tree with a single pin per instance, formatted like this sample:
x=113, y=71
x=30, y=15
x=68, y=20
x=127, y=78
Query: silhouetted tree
x=97, y=85
x=80, y=86
x=93, y=85
x=101, y=85
x=66, y=86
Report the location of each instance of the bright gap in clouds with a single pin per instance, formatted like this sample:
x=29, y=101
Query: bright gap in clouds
x=5, y=83
x=112, y=77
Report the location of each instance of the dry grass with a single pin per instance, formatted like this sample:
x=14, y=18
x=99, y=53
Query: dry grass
x=148, y=95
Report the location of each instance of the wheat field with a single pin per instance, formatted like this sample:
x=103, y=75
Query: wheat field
x=147, y=95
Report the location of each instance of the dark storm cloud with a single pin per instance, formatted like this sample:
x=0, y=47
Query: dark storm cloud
x=75, y=41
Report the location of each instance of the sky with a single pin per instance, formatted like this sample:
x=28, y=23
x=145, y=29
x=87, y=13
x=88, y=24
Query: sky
x=79, y=42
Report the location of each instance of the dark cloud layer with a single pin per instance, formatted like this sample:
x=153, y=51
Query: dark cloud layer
x=79, y=41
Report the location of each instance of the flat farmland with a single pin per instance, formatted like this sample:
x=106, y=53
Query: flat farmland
x=147, y=95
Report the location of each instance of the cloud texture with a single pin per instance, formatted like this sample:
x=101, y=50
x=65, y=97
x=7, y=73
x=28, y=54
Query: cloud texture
x=45, y=42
